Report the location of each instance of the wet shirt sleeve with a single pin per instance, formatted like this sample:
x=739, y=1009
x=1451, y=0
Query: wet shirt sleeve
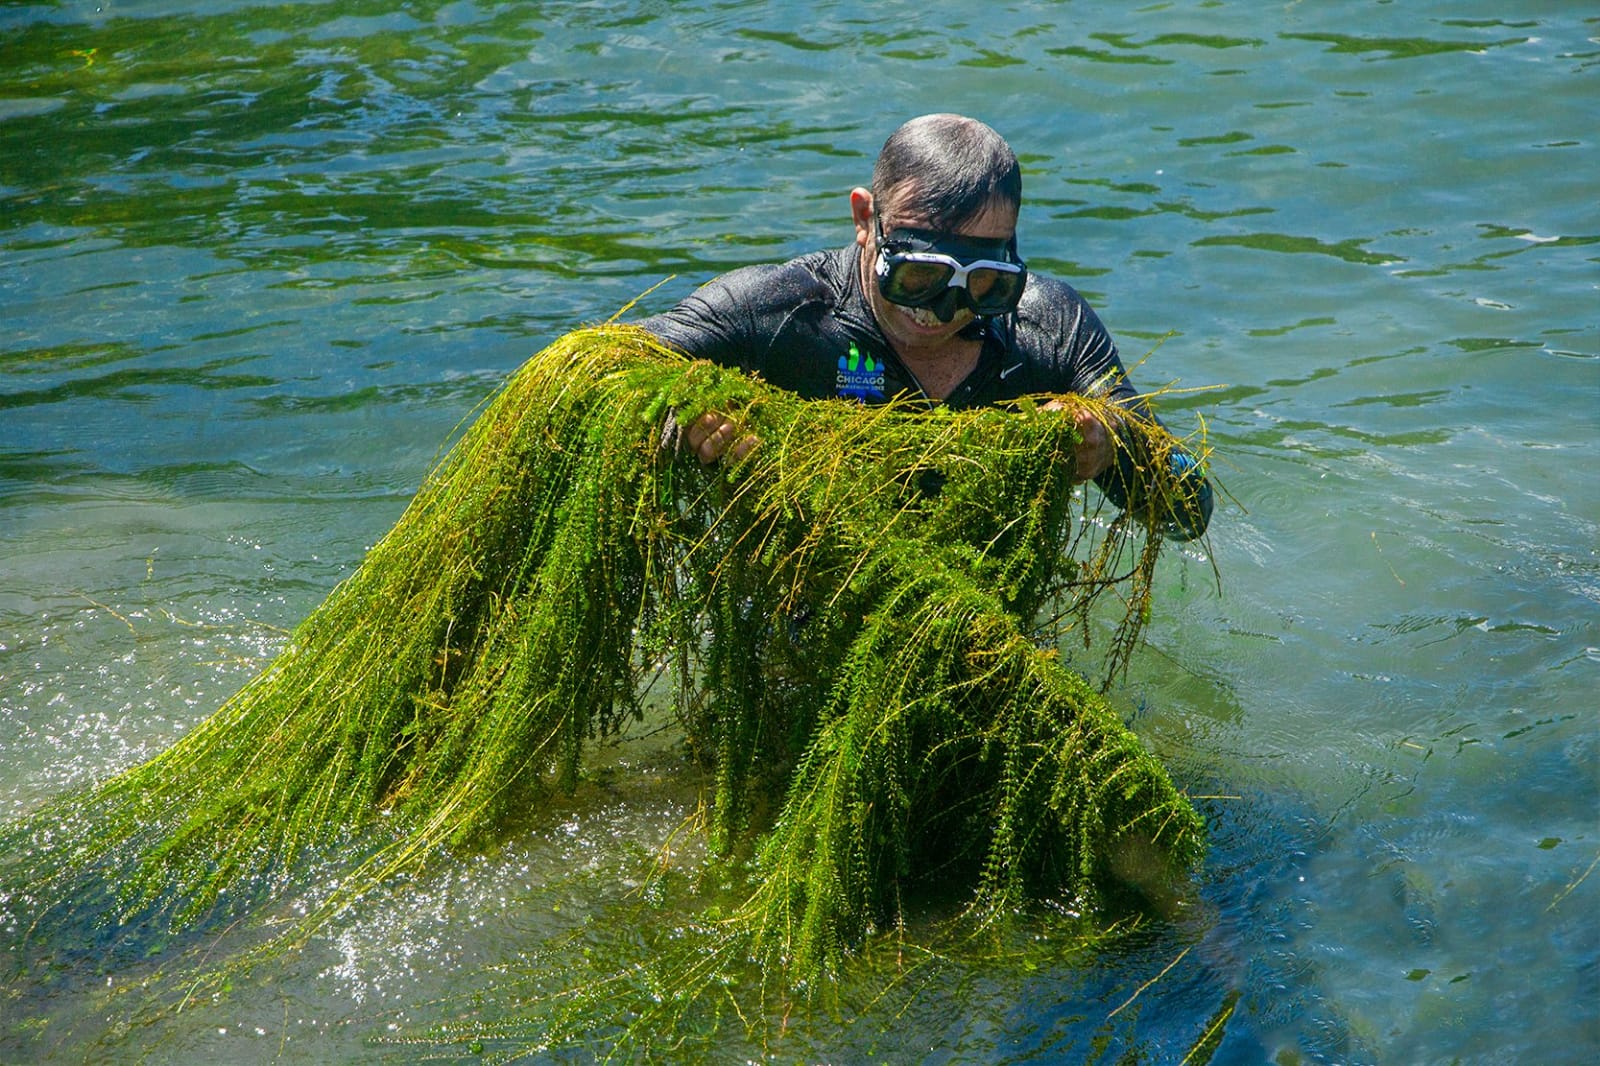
x=778, y=322
x=718, y=321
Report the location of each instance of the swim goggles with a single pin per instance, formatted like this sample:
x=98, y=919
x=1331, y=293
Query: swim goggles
x=918, y=268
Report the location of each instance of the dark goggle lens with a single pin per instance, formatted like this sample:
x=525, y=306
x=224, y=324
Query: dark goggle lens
x=998, y=290
x=917, y=282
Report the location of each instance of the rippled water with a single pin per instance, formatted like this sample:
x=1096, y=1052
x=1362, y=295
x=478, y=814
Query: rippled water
x=258, y=262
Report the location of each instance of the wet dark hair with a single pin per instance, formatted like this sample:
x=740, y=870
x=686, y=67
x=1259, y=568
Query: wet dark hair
x=946, y=169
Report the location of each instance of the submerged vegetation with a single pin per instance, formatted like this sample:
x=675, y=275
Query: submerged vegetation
x=858, y=623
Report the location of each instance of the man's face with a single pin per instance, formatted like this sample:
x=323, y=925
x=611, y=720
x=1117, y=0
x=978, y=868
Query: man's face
x=918, y=331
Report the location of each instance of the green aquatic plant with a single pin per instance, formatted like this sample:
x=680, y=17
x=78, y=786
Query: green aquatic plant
x=859, y=622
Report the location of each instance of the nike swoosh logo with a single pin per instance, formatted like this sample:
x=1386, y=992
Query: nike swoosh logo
x=1007, y=371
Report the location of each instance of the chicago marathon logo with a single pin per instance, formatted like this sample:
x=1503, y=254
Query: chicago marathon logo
x=860, y=376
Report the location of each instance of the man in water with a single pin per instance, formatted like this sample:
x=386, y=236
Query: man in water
x=932, y=300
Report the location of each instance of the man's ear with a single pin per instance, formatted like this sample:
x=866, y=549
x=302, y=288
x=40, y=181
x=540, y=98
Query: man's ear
x=861, y=214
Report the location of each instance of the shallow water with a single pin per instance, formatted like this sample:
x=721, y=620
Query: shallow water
x=259, y=261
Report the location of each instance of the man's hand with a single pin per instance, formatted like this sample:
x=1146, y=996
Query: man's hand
x=1096, y=452
x=713, y=435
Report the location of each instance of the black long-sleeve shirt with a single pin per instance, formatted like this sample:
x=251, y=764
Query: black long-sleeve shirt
x=806, y=326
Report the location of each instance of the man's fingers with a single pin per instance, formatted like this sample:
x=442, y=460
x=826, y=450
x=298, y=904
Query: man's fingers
x=713, y=435
x=698, y=435
x=702, y=427
x=1094, y=454
x=712, y=443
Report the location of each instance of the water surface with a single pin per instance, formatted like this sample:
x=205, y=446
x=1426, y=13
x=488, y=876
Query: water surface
x=259, y=260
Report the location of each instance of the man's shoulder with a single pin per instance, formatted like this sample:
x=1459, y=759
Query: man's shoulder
x=735, y=317
x=1047, y=300
x=1054, y=342
x=772, y=286
x=1053, y=319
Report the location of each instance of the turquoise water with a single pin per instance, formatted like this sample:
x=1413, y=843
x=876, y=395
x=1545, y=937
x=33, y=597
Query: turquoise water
x=258, y=261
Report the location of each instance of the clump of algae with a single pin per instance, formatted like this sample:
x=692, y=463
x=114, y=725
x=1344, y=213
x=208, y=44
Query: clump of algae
x=851, y=615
